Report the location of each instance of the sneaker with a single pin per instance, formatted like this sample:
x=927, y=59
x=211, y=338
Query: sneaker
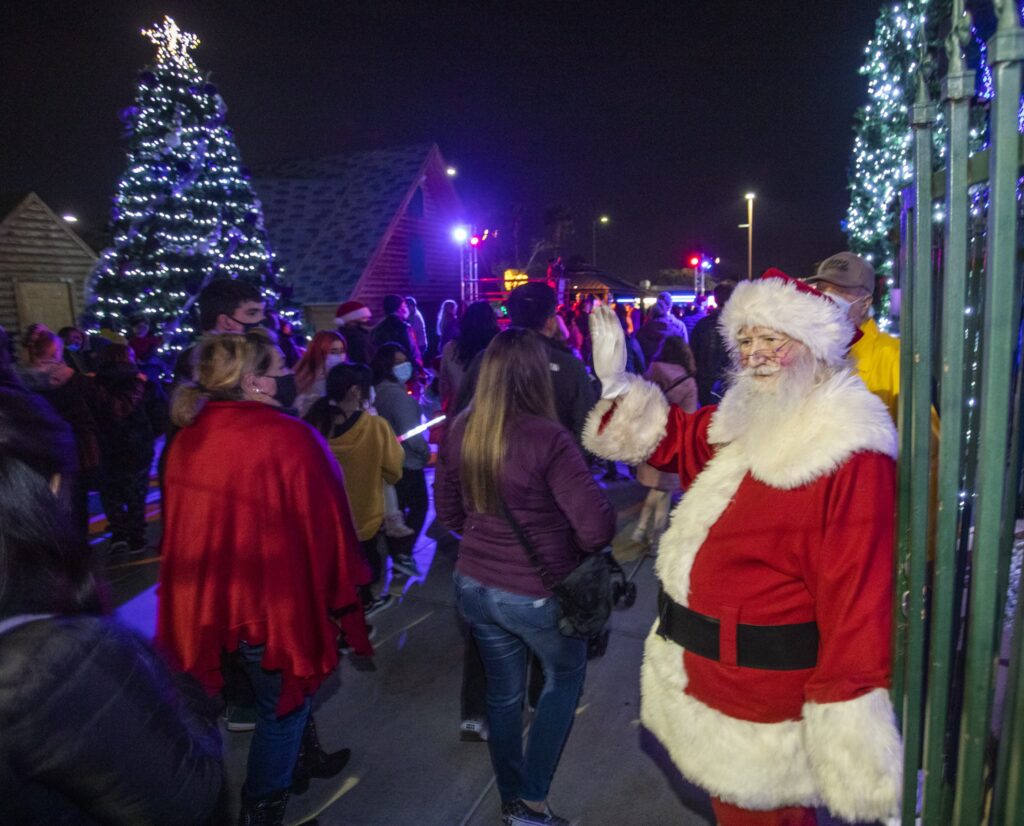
x=518, y=813
x=343, y=645
x=395, y=527
x=639, y=536
x=117, y=548
x=473, y=731
x=239, y=718
x=406, y=565
x=377, y=604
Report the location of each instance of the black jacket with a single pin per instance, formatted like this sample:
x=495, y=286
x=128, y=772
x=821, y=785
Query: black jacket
x=392, y=328
x=94, y=730
x=711, y=356
x=130, y=414
x=574, y=391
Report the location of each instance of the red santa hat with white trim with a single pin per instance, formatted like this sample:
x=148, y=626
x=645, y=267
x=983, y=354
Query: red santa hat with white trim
x=352, y=311
x=781, y=303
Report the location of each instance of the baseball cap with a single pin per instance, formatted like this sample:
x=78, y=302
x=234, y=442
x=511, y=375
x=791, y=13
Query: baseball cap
x=844, y=269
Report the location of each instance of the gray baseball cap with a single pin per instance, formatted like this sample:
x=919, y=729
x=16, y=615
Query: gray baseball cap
x=844, y=269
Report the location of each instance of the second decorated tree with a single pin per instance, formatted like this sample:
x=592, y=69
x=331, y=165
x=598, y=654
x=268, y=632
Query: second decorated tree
x=184, y=212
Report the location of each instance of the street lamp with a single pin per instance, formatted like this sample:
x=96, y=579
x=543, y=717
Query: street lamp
x=604, y=219
x=451, y=171
x=750, y=236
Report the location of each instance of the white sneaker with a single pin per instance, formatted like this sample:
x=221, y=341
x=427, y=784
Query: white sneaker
x=395, y=527
x=473, y=731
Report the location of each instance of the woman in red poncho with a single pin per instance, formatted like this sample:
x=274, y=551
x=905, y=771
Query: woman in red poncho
x=260, y=556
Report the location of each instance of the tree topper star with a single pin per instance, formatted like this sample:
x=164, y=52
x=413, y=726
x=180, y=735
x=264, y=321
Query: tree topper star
x=173, y=45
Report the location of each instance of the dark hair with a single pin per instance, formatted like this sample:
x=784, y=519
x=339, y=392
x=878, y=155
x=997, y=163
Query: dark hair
x=340, y=379
x=531, y=305
x=676, y=351
x=723, y=292
x=115, y=354
x=392, y=303
x=383, y=363
x=479, y=326
x=45, y=566
x=222, y=297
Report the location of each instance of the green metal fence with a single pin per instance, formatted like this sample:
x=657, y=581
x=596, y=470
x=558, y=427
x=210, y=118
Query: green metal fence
x=961, y=701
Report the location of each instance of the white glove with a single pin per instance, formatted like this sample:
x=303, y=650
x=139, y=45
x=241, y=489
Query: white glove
x=608, y=346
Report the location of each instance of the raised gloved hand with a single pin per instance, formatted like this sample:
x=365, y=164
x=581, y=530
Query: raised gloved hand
x=608, y=346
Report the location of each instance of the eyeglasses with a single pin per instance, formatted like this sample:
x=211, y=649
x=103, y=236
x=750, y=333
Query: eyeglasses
x=770, y=344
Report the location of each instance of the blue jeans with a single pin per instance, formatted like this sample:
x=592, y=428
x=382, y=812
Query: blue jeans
x=276, y=740
x=506, y=627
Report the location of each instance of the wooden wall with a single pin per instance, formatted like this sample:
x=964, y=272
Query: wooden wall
x=390, y=271
x=37, y=247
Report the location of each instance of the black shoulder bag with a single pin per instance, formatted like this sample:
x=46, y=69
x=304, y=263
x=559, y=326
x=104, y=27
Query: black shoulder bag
x=584, y=596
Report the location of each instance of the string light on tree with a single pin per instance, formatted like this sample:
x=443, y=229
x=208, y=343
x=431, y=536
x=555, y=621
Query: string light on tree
x=184, y=211
x=173, y=45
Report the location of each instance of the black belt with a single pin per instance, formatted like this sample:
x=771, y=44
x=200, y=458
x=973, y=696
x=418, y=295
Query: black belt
x=769, y=647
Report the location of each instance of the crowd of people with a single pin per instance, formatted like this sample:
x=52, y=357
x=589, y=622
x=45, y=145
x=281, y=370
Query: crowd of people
x=292, y=479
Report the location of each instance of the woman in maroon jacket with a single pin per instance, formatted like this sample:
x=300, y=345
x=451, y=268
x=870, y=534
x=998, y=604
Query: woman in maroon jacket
x=508, y=450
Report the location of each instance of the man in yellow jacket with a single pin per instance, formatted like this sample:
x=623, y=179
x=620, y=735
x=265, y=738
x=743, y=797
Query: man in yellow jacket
x=849, y=280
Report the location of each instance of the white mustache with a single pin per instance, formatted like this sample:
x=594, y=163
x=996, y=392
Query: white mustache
x=761, y=370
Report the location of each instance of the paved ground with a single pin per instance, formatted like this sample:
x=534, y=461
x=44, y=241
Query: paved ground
x=401, y=721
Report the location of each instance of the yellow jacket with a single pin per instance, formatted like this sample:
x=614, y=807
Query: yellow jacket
x=370, y=455
x=877, y=357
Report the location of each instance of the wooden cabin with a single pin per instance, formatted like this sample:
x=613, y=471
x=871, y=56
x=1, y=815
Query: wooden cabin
x=44, y=266
x=363, y=225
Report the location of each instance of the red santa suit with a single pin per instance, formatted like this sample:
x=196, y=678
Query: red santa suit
x=258, y=546
x=793, y=530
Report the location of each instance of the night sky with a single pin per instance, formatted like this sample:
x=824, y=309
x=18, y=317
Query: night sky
x=660, y=115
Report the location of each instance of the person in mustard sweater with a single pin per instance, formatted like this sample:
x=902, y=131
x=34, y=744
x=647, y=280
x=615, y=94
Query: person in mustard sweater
x=369, y=454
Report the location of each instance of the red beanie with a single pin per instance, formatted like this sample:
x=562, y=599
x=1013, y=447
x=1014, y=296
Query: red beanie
x=352, y=311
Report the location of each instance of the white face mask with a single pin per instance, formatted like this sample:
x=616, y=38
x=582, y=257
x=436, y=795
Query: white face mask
x=403, y=371
x=334, y=359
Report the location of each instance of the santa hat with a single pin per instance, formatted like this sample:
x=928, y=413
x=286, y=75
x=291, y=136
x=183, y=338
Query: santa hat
x=792, y=307
x=352, y=311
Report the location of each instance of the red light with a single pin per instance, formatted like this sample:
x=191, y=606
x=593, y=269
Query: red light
x=694, y=261
x=474, y=241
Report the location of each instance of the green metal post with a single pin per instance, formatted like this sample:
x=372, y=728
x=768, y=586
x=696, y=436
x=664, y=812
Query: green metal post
x=1009, y=791
x=958, y=89
x=902, y=561
x=1002, y=313
x=922, y=118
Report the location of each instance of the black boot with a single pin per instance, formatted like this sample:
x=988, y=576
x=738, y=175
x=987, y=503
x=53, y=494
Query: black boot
x=314, y=761
x=263, y=811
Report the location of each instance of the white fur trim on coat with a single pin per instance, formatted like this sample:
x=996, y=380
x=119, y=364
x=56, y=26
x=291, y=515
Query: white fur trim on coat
x=636, y=427
x=839, y=418
x=753, y=765
x=856, y=756
x=778, y=305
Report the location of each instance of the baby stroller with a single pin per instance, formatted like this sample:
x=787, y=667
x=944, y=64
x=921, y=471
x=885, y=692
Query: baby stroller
x=623, y=596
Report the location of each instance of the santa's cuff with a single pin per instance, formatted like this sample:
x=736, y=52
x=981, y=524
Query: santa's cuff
x=856, y=756
x=628, y=428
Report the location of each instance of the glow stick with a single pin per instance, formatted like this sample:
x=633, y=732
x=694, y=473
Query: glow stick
x=416, y=431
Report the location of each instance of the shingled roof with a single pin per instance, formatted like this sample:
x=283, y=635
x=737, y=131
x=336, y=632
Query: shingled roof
x=326, y=217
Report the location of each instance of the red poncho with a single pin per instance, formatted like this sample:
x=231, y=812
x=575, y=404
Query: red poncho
x=258, y=546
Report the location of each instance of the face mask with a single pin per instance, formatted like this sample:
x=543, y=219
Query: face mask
x=403, y=371
x=74, y=348
x=334, y=359
x=286, y=390
x=369, y=400
x=247, y=326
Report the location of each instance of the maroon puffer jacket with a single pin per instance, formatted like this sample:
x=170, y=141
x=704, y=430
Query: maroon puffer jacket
x=547, y=486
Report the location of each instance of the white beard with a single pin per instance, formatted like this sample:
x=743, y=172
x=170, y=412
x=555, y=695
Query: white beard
x=755, y=408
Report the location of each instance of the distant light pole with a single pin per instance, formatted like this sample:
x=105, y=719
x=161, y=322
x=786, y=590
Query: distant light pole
x=604, y=219
x=750, y=236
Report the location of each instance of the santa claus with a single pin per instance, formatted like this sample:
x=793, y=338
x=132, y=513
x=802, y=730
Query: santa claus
x=766, y=672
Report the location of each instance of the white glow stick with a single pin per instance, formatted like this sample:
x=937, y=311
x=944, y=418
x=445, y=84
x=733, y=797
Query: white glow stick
x=416, y=431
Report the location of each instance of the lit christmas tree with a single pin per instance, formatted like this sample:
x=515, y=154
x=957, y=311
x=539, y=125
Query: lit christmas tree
x=881, y=164
x=184, y=212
